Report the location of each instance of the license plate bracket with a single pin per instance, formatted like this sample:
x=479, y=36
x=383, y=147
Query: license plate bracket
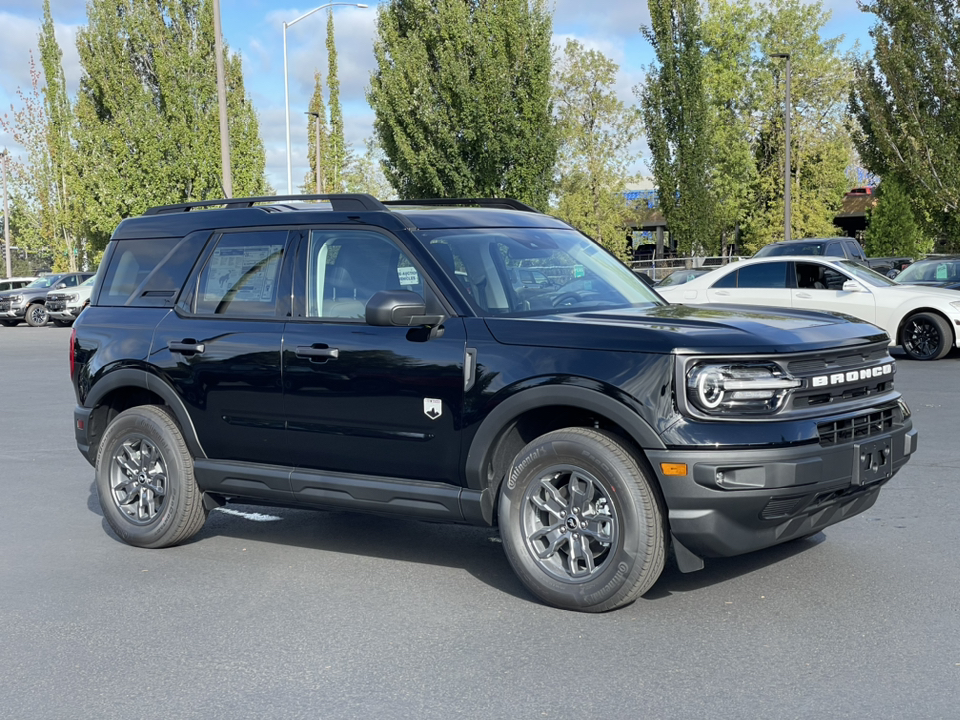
x=872, y=461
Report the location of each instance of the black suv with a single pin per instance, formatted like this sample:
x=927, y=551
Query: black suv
x=844, y=247
x=365, y=355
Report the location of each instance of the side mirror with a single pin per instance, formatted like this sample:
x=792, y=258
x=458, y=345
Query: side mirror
x=852, y=286
x=399, y=308
x=60, y=286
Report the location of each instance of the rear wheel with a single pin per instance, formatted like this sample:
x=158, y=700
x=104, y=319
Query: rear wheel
x=145, y=480
x=581, y=521
x=9, y=323
x=926, y=336
x=37, y=315
x=62, y=323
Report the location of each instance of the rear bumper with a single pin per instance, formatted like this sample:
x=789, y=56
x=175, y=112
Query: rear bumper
x=81, y=427
x=737, y=501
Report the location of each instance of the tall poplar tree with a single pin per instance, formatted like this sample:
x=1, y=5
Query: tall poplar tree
x=147, y=114
x=462, y=98
x=905, y=104
x=337, y=150
x=596, y=130
x=318, y=152
x=675, y=117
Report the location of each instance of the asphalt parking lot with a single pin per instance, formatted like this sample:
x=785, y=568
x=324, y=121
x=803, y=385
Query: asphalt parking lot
x=299, y=614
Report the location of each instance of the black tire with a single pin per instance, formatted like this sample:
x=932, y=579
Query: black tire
x=926, y=336
x=150, y=500
x=62, y=323
x=37, y=315
x=614, y=514
x=9, y=323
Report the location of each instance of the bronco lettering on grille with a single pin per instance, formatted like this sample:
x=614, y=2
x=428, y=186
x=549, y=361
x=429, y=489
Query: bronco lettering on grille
x=852, y=376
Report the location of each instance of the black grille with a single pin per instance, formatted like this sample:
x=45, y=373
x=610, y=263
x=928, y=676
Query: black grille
x=858, y=427
x=876, y=353
x=781, y=507
x=56, y=305
x=4, y=304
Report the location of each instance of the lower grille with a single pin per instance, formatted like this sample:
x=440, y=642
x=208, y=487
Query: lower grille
x=4, y=304
x=781, y=507
x=859, y=427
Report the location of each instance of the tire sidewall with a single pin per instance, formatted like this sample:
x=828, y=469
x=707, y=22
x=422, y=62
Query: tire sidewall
x=627, y=559
x=943, y=329
x=135, y=423
x=31, y=309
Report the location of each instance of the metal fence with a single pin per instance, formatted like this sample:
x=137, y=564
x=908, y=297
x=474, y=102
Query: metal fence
x=660, y=268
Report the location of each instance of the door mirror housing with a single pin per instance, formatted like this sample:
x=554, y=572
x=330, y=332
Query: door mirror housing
x=853, y=286
x=60, y=286
x=399, y=308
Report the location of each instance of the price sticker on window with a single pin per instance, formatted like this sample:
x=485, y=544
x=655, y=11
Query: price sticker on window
x=408, y=276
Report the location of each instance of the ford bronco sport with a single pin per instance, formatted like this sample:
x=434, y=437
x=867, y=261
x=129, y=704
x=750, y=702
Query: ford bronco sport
x=341, y=352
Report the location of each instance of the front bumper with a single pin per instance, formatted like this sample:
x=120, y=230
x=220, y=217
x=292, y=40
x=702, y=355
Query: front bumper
x=13, y=313
x=69, y=313
x=732, y=502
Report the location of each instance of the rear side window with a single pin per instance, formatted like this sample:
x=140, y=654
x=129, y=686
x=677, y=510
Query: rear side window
x=834, y=250
x=131, y=263
x=240, y=277
x=763, y=275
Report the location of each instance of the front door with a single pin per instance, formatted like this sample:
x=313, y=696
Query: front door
x=820, y=287
x=382, y=401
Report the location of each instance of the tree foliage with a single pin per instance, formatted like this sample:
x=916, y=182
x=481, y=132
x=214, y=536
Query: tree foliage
x=905, y=104
x=364, y=173
x=317, y=152
x=893, y=228
x=461, y=95
x=595, y=131
x=147, y=111
x=337, y=150
x=675, y=118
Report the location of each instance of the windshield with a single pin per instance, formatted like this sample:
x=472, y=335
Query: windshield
x=931, y=271
x=865, y=274
x=44, y=282
x=535, y=271
x=88, y=281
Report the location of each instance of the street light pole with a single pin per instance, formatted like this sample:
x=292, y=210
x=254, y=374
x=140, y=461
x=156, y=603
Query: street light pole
x=786, y=162
x=316, y=149
x=6, y=215
x=222, y=102
x=286, y=89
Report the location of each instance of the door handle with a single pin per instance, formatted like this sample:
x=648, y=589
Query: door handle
x=805, y=296
x=721, y=292
x=186, y=347
x=317, y=352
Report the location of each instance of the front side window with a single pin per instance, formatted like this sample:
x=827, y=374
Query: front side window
x=534, y=271
x=240, y=277
x=834, y=250
x=814, y=276
x=345, y=268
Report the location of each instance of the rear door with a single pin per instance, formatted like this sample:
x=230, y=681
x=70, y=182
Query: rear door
x=762, y=283
x=381, y=401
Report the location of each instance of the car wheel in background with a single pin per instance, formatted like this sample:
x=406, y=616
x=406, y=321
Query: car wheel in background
x=581, y=522
x=62, y=323
x=37, y=315
x=926, y=336
x=145, y=480
x=9, y=323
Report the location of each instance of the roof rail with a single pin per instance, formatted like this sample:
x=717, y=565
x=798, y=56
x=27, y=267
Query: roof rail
x=501, y=203
x=341, y=202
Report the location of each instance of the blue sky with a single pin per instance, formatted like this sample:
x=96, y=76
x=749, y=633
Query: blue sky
x=254, y=29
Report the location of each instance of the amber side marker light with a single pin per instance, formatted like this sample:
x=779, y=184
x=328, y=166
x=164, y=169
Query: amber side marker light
x=673, y=468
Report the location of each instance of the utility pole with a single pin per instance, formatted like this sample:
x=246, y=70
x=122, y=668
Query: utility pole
x=786, y=161
x=222, y=101
x=316, y=150
x=6, y=215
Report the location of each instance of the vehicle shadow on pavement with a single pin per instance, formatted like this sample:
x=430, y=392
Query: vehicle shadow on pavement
x=477, y=550
x=719, y=570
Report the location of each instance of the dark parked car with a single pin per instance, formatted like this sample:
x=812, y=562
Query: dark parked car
x=941, y=271
x=376, y=357
x=844, y=247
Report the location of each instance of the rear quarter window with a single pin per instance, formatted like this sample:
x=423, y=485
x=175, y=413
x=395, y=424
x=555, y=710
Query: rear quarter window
x=149, y=273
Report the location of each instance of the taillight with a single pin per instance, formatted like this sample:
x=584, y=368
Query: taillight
x=73, y=354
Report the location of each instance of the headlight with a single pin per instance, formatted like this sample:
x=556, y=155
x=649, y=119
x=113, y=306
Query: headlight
x=748, y=388
x=16, y=299
x=956, y=304
x=72, y=298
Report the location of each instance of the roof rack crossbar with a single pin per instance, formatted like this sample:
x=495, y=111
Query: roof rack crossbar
x=341, y=202
x=501, y=203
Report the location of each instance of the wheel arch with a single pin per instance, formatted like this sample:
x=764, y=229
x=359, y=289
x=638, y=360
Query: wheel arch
x=125, y=388
x=535, y=411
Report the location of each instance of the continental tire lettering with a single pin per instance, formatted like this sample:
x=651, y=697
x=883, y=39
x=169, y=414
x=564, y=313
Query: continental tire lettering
x=522, y=465
x=622, y=570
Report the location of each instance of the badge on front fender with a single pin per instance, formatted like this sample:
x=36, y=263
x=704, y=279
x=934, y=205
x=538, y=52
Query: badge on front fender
x=432, y=408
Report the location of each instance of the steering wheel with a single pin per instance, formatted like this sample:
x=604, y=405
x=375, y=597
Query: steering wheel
x=567, y=300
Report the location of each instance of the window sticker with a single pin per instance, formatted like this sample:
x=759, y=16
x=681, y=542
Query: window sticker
x=408, y=276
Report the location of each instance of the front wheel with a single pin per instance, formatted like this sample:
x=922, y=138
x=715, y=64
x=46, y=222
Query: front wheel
x=62, y=323
x=145, y=480
x=926, y=336
x=37, y=315
x=581, y=521
x=9, y=323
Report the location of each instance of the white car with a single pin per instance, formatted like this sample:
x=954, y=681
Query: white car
x=922, y=320
x=64, y=306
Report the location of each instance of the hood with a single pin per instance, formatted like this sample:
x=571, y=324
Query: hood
x=927, y=284
x=939, y=290
x=712, y=329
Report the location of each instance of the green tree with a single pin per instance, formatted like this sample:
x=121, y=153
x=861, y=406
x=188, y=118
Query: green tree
x=820, y=146
x=905, y=104
x=147, y=116
x=364, y=174
x=461, y=96
x=317, y=154
x=595, y=130
x=675, y=117
x=337, y=151
x=893, y=228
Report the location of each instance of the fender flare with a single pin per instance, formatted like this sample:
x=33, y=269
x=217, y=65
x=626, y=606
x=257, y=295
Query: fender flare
x=481, y=447
x=133, y=377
